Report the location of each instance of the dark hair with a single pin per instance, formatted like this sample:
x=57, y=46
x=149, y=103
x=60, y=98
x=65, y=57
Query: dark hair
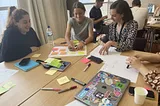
x=16, y=15
x=99, y=0
x=10, y=10
x=79, y=5
x=122, y=7
x=136, y=3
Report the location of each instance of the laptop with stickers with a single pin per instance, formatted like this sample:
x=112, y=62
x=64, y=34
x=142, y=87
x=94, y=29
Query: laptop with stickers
x=104, y=89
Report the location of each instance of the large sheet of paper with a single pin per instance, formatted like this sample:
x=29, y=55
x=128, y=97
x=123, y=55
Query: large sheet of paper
x=111, y=52
x=117, y=65
x=75, y=103
x=62, y=51
x=6, y=73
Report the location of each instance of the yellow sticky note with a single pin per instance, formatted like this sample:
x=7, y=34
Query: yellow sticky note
x=81, y=52
x=49, y=60
x=36, y=55
x=51, y=72
x=63, y=80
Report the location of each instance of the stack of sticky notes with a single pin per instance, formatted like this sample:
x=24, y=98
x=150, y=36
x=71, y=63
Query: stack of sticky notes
x=6, y=87
x=54, y=62
x=51, y=72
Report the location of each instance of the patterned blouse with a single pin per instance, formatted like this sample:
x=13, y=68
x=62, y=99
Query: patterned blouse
x=126, y=39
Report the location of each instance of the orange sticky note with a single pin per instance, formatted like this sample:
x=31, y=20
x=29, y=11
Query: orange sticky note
x=85, y=60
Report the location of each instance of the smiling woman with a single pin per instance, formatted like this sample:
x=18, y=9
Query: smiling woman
x=19, y=38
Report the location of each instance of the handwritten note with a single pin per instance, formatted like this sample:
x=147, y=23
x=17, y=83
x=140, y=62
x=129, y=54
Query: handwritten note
x=63, y=80
x=51, y=72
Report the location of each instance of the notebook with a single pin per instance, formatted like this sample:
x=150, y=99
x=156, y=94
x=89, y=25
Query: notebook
x=27, y=67
x=104, y=89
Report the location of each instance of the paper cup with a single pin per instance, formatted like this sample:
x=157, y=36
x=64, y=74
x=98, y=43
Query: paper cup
x=140, y=95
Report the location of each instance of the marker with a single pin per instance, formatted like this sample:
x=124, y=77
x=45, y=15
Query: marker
x=87, y=67
x=127, y=66
x=65, y=90
x=79, y=82
x=50, y=89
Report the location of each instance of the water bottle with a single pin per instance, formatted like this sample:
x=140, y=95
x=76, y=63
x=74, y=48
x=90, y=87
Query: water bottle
x=49, y=34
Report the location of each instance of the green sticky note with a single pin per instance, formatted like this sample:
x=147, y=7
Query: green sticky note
x=6, y=87
x=2, y=90
x=56, y=63
x=49, y=60
x=81, y=52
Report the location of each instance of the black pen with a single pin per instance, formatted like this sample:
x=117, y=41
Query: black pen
x=127, y=66
x=79, y=82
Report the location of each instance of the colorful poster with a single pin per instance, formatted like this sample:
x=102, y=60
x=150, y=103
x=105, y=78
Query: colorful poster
x=62, y=51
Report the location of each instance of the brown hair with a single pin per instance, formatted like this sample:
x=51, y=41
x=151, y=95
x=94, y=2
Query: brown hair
x=16, y=15
x=79, y=5
x=10, y=10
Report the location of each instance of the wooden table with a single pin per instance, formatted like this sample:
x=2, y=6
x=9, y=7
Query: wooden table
x=49, y=98
x=29, y=83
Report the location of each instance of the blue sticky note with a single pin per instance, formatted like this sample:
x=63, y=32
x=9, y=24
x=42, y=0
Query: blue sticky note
x=27, y=67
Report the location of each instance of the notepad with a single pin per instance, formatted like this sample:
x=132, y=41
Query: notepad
x=27, y=67
x=63, y=80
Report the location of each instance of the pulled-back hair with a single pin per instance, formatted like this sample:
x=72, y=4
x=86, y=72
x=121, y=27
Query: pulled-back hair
x=99, y=0
x=10, y=10
x=79, y=5
x=16, y=15
x=122, y=7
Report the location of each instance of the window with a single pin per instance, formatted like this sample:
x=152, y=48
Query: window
x=4, y=4
x=105, y=8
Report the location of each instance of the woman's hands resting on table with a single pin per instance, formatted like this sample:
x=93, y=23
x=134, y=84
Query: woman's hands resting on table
x=72, y=47
x=105, y=48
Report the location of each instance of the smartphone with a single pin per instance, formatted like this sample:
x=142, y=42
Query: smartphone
x=150, y=94
x=24, y=61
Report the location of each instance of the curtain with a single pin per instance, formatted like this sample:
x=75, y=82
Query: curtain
x=44, y=13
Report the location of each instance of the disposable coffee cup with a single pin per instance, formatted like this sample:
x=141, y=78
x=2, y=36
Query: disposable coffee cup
x=140, y=94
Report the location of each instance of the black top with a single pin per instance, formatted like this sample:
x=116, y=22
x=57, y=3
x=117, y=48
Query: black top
x=96, y=14
x=16, y=45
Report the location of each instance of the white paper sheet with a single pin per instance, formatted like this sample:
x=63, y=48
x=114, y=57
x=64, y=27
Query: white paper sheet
x=117, y=66
x=111, y=52
x=6, y=73
x=75, y=103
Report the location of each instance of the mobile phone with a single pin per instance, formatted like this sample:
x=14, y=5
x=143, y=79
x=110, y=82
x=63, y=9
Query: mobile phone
x=150, y=94
x=24, y=61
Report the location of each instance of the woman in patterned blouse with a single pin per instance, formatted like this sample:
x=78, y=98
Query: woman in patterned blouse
x=152, y=77
x=122, y=32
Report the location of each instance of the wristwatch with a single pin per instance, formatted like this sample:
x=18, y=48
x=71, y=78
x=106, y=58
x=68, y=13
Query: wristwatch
x=83, y=41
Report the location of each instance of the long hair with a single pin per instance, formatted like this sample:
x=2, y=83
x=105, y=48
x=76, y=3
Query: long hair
x=122, y=7
x=79, y=5
x=16, y=15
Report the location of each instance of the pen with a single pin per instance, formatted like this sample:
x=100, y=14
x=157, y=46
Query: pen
x=65, y=90
x=79, y=82
x=87, y=67
x=127, y=66
x=50, y=89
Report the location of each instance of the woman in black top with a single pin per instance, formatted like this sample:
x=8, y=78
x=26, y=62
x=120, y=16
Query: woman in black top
x=122, y=32
x=19, y=38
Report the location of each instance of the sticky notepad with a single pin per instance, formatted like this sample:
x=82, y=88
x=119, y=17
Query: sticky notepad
x=36, y=55
x=63, y=80
x=49, y=60
x=56, y=63
x=85, y=60
x=6, y=87
x=51, y=72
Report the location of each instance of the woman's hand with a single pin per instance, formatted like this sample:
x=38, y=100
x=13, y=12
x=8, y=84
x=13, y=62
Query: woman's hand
x=105, y=48
x=134, y=62
x=34, y=48
x=80, y=46
x=71, y=46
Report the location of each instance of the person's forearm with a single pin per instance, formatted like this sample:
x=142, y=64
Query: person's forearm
x=67, y=39
x=155, y=58
x=143, y=70
x=89, y=39
x=113, y=43
x=98, y=20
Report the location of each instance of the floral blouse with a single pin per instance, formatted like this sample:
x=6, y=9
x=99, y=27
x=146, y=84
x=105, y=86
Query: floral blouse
x=127, y=37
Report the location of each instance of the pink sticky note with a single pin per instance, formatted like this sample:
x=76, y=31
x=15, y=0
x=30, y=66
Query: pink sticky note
x=55, y=49
x=85, y=60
